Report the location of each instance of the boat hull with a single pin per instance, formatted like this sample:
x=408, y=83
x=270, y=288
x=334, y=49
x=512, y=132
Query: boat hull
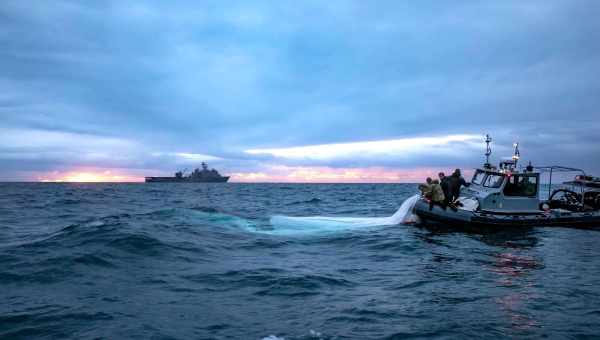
x=222, y=179
x=486, y=221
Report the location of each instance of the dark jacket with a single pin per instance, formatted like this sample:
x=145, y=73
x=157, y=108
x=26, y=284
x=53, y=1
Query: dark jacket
x=444, y=185
x=454, y=184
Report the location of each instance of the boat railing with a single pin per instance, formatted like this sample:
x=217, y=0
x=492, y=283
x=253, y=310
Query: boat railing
x=558, y=168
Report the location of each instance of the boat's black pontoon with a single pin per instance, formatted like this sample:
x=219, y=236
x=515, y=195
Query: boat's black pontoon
x=508, y=196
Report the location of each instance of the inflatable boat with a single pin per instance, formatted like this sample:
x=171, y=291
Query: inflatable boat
x=509, y=197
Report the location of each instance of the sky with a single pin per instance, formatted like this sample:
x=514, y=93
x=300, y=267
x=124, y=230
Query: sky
x=294, y=91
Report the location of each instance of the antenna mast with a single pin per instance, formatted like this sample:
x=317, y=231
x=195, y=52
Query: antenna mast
x=488, y=151
x=516, y=154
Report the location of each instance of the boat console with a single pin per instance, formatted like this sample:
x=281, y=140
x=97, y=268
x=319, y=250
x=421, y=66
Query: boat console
x=508, y=191
x=505, y=189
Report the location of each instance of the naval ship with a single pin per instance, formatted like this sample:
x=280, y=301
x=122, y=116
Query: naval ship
x=509, y=196
x=197, y=176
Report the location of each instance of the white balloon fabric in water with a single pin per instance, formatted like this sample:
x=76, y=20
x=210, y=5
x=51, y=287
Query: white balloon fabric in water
x=288, y=225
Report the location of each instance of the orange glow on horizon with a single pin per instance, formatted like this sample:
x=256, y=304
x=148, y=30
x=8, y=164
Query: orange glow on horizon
x=274, y=174
x=88, y=176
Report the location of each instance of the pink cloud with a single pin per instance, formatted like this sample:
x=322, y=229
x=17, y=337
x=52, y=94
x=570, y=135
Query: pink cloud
x=339, y=175
x=275, y=174
x=89, y=175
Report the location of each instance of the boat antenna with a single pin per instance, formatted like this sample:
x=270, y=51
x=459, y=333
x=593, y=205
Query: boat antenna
x=516, y=154
x=488, y=151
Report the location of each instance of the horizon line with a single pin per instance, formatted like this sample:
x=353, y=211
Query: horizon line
x=141, y=182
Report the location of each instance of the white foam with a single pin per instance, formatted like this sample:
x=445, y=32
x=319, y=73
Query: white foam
x=272, y=337
x=311, y=224
x=315, y=334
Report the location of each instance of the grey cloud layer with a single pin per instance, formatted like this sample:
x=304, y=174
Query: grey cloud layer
x=221, y=77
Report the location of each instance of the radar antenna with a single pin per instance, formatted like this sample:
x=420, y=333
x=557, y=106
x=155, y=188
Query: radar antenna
x=488, y=151
x=516, y=154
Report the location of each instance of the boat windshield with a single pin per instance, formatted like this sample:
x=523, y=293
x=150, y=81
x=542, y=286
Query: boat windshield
x=478, y=177
x=493, y=181
x=521, y=185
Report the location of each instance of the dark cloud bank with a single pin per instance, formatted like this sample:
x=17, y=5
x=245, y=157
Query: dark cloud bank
x=114, y=85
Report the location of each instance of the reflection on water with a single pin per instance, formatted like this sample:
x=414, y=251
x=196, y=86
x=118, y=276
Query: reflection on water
x=522, y=238
x=513, y=266
x=512, y=305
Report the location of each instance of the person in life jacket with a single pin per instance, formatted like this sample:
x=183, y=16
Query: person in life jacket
x=425, y=188
x=437, y=195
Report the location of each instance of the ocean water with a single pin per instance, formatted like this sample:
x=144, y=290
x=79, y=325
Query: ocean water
x=235, y=261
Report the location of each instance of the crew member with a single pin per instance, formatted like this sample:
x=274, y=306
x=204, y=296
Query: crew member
x=454, y=183
x=437, y=195
x=444, y=185
x=426, y=188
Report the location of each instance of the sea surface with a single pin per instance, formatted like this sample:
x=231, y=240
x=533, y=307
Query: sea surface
x=230, y=261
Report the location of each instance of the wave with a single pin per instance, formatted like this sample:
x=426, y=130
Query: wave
x=310, y=201
x=42, y=323
x=291, y=225
x=213, y=216
x=140, y=244
x=121, y=231
x=205, y=209
x=269, y=282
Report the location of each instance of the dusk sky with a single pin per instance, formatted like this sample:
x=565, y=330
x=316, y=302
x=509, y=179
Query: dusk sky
x=294, y=91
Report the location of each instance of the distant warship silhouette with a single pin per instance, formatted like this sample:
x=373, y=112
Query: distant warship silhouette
x=197, y=176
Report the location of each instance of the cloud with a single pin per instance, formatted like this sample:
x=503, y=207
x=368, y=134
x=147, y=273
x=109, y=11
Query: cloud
x=295, y=174
x=138, y=86
x=403, y=148
x=187, y=157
